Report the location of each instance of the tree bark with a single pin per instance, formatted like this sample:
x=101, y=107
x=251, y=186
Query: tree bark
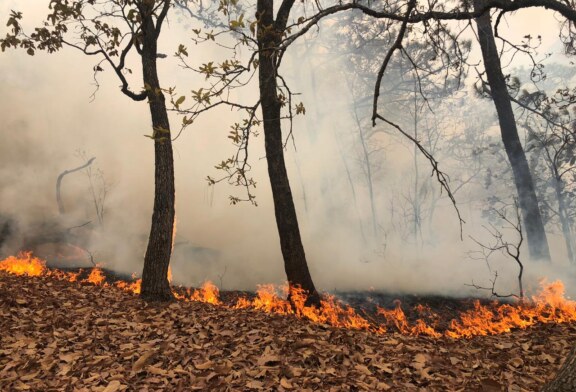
x=565, y=380
x=155, y=285
x=295, y=265
x=532, y=220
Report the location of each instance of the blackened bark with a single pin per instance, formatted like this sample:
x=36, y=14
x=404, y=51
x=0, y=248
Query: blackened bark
x=295, y=263
x=565, y=380
x=155, y=286
x=532, y=220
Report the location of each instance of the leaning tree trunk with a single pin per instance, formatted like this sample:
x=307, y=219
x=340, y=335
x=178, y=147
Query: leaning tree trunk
x=565, y=380
x=532, y=220
x=155, y=286
x=295, y=265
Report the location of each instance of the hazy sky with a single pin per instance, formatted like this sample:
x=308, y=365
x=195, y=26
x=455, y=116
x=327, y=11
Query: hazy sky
x=48, y=115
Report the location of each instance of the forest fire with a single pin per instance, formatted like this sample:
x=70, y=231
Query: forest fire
x=24, y=264
x=548, y=306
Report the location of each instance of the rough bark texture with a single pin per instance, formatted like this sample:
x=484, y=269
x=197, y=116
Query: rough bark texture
x=155, y=286
x=532, y=220
x=565, y=380
x=269, y=34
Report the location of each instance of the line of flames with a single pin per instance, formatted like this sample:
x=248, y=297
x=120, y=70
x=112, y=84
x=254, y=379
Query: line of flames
x=548, y=306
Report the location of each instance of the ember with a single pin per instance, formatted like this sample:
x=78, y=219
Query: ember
x=548, y=306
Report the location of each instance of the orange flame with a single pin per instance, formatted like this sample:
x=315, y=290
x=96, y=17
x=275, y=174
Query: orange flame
x=131, y=287
x=96, y=276
x=23, y=264
x=548, y=306
x=208, y=293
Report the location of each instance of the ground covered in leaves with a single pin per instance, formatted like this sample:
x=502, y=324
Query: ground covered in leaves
x=62, y=336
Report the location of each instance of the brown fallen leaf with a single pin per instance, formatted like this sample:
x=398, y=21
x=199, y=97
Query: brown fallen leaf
x=113, y=386
x=385, y=367
x=254, y=384
x=142, y=361
x=516, y=362
x=489, y=385
x=204, y=366
x=285, y=383
x=269, y=359
x=156, y=370
x=363, y=369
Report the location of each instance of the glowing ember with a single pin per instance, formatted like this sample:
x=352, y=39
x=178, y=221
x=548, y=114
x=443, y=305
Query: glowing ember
x=23, y=264
x=548, y=306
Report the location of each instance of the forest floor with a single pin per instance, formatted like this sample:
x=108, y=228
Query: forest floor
x=72, y=336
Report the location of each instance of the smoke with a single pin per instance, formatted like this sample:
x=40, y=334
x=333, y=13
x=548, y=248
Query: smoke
x=49, y=115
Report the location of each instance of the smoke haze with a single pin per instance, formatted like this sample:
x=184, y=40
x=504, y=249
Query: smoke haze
x=49, y=117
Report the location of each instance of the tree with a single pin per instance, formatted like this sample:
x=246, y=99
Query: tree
x=265, y=38
x=111, y=31
x=552, y=147
x=533, y=223
x=269, y=36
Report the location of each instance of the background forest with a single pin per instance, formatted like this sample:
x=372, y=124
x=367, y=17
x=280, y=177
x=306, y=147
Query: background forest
x=371, y=212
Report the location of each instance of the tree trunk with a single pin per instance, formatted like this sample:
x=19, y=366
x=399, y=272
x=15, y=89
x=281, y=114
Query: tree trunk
x=565, y=380
x=155, y=286
x=532, y=220
x=295, y=263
